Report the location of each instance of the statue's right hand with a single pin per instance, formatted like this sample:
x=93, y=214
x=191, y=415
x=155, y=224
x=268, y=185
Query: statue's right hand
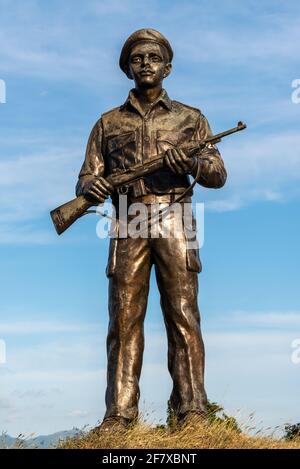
x=98, y=190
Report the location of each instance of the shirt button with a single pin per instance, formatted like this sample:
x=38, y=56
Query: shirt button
x=147, y=139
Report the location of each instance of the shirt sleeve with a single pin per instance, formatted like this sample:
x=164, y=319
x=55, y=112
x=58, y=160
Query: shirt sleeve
x=213, y=172
x=93, y=165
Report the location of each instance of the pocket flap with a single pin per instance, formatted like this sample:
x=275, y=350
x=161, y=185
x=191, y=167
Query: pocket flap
x=115, y=143
x=168, y=136
x=193, y=261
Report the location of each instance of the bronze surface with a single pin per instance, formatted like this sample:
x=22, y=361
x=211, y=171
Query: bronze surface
x=145, y=125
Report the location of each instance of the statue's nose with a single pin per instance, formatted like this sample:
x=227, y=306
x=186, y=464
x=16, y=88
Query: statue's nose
x=146, y=60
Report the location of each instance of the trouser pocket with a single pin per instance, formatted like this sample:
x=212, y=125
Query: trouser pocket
x=112, y=257
x=193, y=261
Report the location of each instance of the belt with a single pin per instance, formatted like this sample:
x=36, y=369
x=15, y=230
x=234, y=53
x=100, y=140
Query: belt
x=159, y=198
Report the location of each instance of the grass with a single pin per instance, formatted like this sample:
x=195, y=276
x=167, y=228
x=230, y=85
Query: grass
x=195, y=435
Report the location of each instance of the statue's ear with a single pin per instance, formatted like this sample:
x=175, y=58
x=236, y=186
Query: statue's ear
x=168, y=69
x=128, y=72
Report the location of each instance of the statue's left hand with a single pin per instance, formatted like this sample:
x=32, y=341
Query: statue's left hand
x=178, y=162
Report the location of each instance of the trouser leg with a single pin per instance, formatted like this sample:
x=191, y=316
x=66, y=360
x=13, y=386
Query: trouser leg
x=128, y=294
x=178, y=289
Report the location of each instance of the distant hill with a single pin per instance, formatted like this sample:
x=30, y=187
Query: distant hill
x=41, y=441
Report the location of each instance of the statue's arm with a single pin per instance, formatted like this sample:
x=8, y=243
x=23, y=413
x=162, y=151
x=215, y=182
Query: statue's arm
x=93, y=165
x=213, y=172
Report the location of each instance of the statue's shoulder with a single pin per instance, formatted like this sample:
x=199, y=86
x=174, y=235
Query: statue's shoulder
x=110, y=119
x=106, y=118
x=114, y=112
x=181, y=107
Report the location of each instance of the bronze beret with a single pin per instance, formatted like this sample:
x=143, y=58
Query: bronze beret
x=150, y=35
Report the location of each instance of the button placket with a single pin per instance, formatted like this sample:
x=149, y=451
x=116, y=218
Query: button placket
x=139, y=186
x=147, y=135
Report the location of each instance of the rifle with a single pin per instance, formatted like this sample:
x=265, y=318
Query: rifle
x=65, y=215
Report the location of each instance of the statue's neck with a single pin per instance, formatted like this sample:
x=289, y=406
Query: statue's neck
x=147, y=96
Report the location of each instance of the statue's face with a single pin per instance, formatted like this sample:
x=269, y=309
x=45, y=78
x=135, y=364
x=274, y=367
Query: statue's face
x=147, y=65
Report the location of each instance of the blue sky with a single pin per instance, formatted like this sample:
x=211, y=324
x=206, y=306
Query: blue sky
x=233, y=60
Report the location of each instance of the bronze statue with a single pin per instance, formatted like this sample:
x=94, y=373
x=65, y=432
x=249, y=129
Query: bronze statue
x=148, y=127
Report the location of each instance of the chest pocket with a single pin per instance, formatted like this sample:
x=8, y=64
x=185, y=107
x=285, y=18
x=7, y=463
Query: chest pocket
x=166, y=139
x=121, y=151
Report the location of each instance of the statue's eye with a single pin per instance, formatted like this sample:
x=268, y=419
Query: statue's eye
x=136, y=60
x=156, y=58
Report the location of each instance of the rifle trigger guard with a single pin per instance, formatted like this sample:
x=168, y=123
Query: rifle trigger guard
x=123, y=190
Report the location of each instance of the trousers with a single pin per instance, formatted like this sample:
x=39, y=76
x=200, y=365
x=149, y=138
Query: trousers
x=176, y=269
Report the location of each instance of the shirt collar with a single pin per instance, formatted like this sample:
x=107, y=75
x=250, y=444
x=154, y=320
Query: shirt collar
x=163, y=99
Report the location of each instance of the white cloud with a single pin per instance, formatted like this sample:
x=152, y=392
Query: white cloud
x=55, y=43
x=255, y=35
x=258, y=159
x=225, y=205
x=45, y=44
x=78, y=413
x=15, y=234
x=269, y=319
x=30, y=183
x=260, y=168
x=34, y=393
x=33, y=184
x=267, y=47
x=45, y=327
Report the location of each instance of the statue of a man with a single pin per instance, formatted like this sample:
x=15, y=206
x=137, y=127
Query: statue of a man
x=148, y=123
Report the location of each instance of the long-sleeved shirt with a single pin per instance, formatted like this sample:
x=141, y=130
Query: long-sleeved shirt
x=127, y=135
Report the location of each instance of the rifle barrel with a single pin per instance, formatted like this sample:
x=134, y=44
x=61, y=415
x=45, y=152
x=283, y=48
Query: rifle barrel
x=240, y=126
